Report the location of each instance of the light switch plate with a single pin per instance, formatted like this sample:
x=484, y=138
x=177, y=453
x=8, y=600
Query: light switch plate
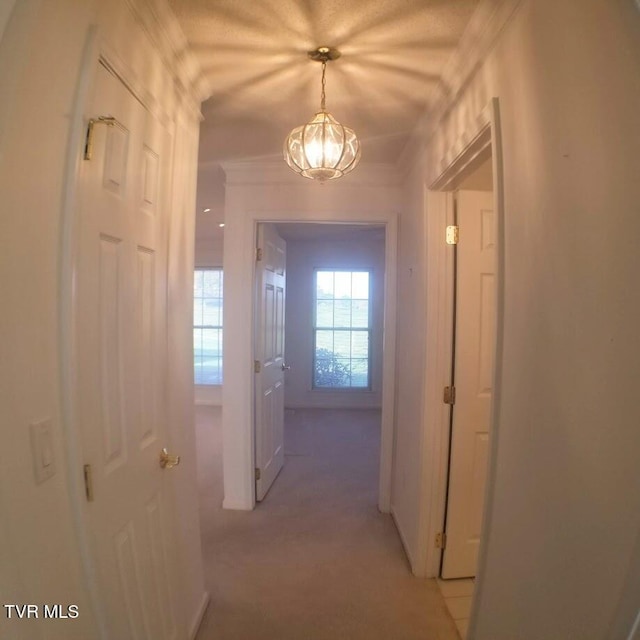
x=44, y=464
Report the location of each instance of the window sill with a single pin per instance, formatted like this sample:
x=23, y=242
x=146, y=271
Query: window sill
x=207, y=394
x=358, y=390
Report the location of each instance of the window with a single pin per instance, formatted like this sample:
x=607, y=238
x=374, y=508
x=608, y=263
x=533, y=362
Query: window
x=207, y=326
x=341, y=330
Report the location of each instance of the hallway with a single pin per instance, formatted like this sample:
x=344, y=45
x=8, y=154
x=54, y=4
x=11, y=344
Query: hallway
x=315, y=560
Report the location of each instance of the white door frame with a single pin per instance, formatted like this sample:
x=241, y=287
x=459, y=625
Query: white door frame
x=471, y=147
x=91, y=57
x=238, y=431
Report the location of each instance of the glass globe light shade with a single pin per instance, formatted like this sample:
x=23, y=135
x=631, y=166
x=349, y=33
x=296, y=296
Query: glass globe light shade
x=322, y=149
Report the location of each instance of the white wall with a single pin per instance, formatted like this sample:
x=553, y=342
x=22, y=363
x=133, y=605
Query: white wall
x=410, y=357
x=303, y=257
x=41, y=52
x=35, y=101
x=209, y=251
x=560, y=560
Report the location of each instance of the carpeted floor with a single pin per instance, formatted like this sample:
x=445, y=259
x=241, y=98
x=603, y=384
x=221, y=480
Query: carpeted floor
x=315, y=560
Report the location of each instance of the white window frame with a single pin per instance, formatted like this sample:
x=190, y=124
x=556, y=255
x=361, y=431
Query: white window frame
x=218, y=326
x=316, y=328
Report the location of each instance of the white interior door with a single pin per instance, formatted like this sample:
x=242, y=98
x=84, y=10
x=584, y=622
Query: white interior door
x=121, y=341
x=473, y=366
x=270, y=365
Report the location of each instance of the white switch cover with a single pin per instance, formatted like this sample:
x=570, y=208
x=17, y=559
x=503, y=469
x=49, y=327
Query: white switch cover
x=44, y=465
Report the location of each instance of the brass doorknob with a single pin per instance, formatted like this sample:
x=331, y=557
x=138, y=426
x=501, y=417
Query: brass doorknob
x=168, y=461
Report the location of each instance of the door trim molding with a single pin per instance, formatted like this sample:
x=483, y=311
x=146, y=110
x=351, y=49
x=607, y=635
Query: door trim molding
x=498, y=196
x=459, y=160
x=238, y=419
x=67, y=343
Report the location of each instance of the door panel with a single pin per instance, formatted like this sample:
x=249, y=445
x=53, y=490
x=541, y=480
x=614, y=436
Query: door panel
x=474, y=340
x=269, y=404
x=121, y=339
x=145, y=275
x=110, y=354
x=161, y=574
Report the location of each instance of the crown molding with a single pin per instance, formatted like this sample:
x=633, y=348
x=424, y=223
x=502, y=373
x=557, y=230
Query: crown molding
x=164, y=30
x=485, y=27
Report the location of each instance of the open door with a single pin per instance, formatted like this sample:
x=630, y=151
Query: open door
x=120, y=329
x=269, y=357
x=473, y=379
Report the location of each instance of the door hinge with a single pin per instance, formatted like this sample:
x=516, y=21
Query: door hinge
x=449, y=395
x=441, y=540
x=258, y=473
x=110, y=121
x=257, y=367
x=88, y=482
x=258, y=254
x=453, y=234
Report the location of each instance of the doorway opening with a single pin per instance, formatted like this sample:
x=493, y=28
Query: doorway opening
x=318, y=338
x=239, y=337
x=471, y=386
x=465, y=303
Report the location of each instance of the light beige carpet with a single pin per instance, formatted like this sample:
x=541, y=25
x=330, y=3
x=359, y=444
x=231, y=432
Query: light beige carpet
x=315, y=560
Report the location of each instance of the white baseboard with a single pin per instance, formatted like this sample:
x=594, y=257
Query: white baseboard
x=197, y=620
x=331, y=405
x=405, y=546
x=235, y=505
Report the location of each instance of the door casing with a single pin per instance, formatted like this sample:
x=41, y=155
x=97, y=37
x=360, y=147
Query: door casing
x=388, y=357
x=456, y=162
x=243, y=436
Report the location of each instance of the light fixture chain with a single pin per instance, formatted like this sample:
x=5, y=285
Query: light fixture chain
x=324, y=82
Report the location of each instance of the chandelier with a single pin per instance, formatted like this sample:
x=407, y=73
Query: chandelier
x=322, y=149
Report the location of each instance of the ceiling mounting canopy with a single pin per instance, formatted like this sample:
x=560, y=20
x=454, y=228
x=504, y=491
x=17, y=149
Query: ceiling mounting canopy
x=324, y=54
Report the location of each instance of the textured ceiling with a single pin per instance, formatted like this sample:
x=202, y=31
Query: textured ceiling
x=253, y=53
